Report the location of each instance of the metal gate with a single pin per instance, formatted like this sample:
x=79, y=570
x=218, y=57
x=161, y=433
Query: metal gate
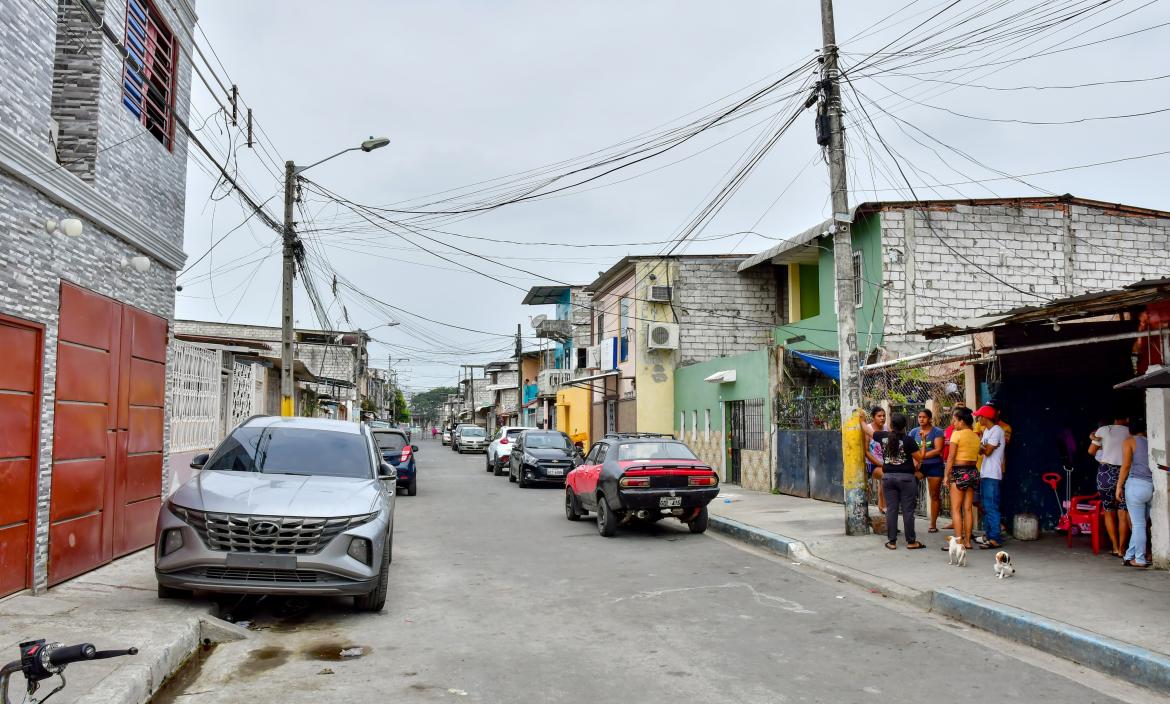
x=736, y=440
x=20, y=402
x=108, y=432
x=808, y=447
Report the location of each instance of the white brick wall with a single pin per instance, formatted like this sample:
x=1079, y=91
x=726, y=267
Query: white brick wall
x=1029, y=249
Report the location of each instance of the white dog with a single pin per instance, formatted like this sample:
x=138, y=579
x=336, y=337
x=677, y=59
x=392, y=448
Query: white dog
x=1003, y=565
x=957, y=552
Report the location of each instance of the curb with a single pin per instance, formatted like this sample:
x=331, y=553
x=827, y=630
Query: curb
x=797, y=550
x=1129, y=662
x=137, y=680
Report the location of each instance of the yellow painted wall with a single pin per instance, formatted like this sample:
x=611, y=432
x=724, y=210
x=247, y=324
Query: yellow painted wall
x=654, y=369
x=574, y=405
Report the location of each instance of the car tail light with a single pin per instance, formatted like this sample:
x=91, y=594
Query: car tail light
x=627, y=482
x=503, y=441
x=710, y=480
x=405, y=453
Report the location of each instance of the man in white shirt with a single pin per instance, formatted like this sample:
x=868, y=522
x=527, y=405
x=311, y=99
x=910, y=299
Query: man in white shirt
x=1110, y=440
x=990, y=476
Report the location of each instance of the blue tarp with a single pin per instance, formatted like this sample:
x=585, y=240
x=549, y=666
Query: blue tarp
x=829, y=366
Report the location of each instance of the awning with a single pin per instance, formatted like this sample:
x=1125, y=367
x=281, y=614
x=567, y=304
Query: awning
x=1156, y=378
x=829, y=366
x=726, y=376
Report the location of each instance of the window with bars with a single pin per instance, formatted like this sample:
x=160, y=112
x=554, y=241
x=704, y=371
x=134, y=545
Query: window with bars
x=857, y=280
x=148, y=71
x=755, y=434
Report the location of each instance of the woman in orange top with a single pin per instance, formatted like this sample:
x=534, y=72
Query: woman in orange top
x=962, y=476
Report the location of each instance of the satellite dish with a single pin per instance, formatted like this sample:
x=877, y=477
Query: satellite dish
x=537, y=320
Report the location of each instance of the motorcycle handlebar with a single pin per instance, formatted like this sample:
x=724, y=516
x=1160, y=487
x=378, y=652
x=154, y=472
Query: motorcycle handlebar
x=71, y=653
x=103, y=654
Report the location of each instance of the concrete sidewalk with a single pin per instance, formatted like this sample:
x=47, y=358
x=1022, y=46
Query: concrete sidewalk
x=113, y=607
x=1067, y=601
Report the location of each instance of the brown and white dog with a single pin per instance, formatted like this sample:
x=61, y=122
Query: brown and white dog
x=1003, y=565
x=957, y=552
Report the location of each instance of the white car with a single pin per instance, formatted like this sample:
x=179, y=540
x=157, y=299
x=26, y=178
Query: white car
x=500, y=448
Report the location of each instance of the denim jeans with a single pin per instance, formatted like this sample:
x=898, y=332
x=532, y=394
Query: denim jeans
x=989, y=489
x=1138, y=495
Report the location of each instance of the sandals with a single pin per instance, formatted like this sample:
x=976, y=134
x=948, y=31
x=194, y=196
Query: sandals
x=990, y=545
x=932, y=530
x=891, y=545
x=1131, y=563
x=915, y=546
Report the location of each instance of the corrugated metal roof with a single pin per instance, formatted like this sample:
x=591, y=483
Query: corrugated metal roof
x=1081, y=306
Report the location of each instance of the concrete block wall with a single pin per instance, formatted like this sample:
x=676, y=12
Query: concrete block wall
x=722, y=312
x=1038, y=253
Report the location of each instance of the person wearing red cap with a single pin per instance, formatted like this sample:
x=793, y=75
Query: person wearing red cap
x=991, y=446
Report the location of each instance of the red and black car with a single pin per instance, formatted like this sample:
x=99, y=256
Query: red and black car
x=639, y=476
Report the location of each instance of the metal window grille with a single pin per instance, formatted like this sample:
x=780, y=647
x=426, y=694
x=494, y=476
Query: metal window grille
x=194, y=402
x=755, y=432
x=148, y=71
x=857, y=272
x=243, y=392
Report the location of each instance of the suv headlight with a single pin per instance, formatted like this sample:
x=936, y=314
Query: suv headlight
x=172, y=540
x=359, y=549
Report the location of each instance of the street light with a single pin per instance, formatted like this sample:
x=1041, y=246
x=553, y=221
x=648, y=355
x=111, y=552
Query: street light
x=291, y=172
x=389, y=324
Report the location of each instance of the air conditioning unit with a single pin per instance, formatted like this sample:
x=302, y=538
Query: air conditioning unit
x=593, y=356
x=661, y=294
x=662, y=336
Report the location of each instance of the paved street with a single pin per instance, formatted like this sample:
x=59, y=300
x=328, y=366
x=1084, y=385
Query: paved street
x=497, y=598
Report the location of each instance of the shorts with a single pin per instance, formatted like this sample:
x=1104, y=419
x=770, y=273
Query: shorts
x=934, y=469
x=1107, y=476
x=965, y=478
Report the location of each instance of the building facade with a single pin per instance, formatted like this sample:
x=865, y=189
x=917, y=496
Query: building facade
x=91, y=211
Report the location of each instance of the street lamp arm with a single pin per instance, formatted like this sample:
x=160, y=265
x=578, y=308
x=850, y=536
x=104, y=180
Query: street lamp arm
x=368, y=145
x=300, y=169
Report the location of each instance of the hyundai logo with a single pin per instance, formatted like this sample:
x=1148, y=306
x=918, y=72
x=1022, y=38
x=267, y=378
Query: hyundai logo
x=264, y=529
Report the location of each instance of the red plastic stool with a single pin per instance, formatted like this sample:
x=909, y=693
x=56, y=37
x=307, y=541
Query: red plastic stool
x=1085, y=510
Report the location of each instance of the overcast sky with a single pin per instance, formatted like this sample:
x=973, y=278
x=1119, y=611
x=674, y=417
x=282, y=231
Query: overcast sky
x=469, y=91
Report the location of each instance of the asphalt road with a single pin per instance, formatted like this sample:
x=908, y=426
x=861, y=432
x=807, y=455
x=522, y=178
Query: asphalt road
x=497, y=598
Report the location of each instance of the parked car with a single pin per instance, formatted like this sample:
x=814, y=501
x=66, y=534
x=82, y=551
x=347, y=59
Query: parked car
x=500, y=448
x=455, y=435
x=299, y=506
x=447, y=436
x=640, y=477
x=541, y=456
x=397, y=451
x=470, y=438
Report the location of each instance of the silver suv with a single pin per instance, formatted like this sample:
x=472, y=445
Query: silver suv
x=282, y=506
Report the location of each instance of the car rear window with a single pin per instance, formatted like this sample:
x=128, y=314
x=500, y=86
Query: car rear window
x=514, y=433
x=550, y=441
x=473, y=432
x=391, y=442
x=299, y=451
x=655, y=451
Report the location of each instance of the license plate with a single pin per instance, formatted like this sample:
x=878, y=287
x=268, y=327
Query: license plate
x=555, y=472
x=670, y=501
x=261, y=560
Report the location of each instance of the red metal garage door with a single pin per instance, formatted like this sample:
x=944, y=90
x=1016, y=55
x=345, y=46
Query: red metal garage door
x=20, y=399
x=108, y=431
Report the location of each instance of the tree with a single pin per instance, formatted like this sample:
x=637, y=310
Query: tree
x=401, y=411
x=426, y=405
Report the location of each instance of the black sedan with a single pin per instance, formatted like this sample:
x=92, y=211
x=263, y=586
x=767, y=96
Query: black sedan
x=632, y=477
x=541, y=456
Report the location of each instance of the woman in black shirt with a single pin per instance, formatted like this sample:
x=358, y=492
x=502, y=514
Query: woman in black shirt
x=899, y=480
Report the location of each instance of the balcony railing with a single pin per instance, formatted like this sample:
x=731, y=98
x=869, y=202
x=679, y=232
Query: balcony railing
x=548, y=381
x=559, y=330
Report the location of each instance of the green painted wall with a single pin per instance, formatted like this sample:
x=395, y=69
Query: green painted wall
x=810, y=291
x=820, y=330
x=691, y=393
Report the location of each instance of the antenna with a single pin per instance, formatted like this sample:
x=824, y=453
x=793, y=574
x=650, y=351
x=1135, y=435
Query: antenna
x=537, y=320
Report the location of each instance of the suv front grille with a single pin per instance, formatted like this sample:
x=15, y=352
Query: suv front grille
x=247, y=574
x=280, y=535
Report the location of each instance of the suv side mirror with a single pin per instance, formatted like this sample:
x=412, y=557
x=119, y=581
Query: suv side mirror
x=199, y=460
x=387, y=471
x=414, y=448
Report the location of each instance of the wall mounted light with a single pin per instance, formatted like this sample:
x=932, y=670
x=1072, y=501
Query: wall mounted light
x=140, y=263
x=70, y=227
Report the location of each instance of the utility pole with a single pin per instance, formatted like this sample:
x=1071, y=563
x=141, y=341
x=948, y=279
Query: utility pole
x=852, y=437
x=287, y=402
x=519, y=377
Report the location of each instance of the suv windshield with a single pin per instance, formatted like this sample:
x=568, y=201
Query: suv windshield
x=655, y=451
x=476, y=432
x=300, y=451
x=390, y=442
x=546, y=441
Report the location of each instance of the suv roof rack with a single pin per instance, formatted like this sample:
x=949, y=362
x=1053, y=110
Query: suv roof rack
x=640, y=435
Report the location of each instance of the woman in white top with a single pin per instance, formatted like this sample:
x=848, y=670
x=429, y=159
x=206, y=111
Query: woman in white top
x=1110, y=440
